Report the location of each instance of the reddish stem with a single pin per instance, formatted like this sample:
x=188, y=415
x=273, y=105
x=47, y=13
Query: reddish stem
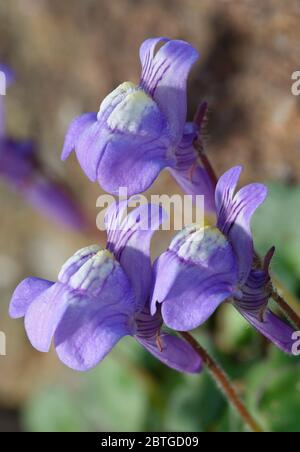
x=198, y=143
x=223, y=381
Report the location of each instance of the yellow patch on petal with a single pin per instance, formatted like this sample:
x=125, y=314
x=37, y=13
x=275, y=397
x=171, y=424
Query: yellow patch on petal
x=105, y=254
x=113, y=98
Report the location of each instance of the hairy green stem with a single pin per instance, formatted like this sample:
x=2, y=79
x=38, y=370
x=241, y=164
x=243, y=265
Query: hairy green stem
x=223, y=382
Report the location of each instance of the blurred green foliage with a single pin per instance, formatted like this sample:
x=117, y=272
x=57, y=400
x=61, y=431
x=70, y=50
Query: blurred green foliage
x=131, y=391
x=277, y=223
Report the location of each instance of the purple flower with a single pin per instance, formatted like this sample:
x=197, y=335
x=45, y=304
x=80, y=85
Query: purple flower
x=100, y=297
x=21, y=169
x=204, y=267
x=140, y=129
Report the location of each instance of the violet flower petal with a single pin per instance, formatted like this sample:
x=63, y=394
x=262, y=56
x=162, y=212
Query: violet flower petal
x=255, y=293
x=101, y=313
x=75, y=262
x=129, y=237
x=89, y=148
x=225, y=192
x=147, y=52
x=196, y=181
x=134, y=135
x=273, y=328
x=96, y=285
x=132, y=162
x=171, y=350
x=127, y=145
x=87, y=333
x=193, y=277
x=164, y=78
x=147, y=326
x=234, y=216
x=25, y=293
x=119, y=159
x=174, y=353
x=100, y=276
x=77, y=126
x=44, y=314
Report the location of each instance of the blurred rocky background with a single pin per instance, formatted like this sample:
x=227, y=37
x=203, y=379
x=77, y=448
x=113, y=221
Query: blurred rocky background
x=67, y=56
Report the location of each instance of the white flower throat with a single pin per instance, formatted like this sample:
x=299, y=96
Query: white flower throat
x=132, y=110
